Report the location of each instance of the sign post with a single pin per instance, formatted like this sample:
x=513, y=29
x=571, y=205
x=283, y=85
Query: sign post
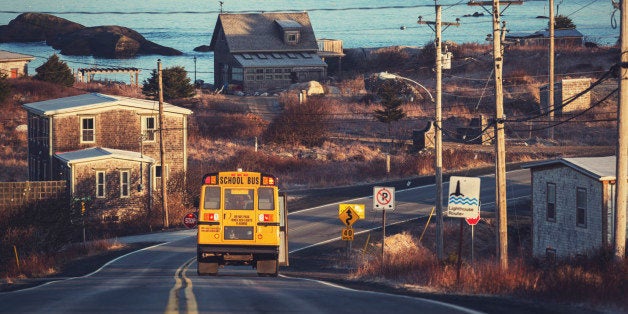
x=472, y=222
x=464, y=202
x=349, y=214
x=383, y=198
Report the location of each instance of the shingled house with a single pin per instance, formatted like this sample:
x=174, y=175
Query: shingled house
x=263, y=51
x=14, y=64
x=573, y=202
x=106, y=147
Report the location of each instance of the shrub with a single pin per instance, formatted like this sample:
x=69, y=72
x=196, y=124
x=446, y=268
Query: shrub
x=55, y=71
x=175, y=84
x=301, y=124
x=5, y=87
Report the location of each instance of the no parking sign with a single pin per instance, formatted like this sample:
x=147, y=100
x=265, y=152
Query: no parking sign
x=383, y=198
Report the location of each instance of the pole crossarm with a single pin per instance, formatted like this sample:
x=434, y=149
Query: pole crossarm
x=446, y=24
x=490, y=3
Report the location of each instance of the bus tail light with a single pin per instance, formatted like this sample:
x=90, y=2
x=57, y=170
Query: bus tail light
x=210, y=179
x=269, y=180
x=265, y=217
x=211, y=217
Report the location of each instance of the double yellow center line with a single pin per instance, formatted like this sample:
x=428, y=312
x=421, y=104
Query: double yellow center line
x=182, y=282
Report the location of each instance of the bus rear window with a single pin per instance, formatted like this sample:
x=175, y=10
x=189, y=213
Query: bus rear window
x=239, y=198
x=266, y=198
x=212, y=197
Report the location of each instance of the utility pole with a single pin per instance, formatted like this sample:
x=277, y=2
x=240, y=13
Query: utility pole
x=194, y=70
x=438, y=131
x=550, y=89
x=622, y=142
x=500, y=140
x=500, y=143
x=162, y=152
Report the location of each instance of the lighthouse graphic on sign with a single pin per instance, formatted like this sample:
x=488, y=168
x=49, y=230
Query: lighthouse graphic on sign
x=464, y=197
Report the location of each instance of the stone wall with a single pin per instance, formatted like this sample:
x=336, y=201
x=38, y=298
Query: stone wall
x=563, y=92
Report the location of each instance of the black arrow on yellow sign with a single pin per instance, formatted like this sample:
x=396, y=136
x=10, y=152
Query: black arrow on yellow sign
x=348, y=216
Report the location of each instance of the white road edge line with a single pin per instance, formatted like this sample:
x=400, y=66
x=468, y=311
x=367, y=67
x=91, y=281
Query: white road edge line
x=333, y=285
x=92, y=273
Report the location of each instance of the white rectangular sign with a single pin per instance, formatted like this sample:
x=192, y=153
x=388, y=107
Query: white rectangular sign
x=464, y=197
x=383, y=198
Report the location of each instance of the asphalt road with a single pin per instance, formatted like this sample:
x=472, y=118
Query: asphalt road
x=322, y=224
x=162, y=278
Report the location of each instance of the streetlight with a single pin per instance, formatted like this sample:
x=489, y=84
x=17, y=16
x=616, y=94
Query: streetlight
x=391, y=76
x=438, y=152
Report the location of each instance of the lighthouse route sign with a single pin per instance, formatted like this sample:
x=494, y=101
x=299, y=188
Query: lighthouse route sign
x=464, y=197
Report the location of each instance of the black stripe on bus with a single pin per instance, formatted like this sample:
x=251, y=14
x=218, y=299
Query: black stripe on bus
x=268, y=224
x=211, y=223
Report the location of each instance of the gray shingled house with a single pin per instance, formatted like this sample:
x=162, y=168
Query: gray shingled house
x=258, y=52
x=573, y=205
x=107, y=148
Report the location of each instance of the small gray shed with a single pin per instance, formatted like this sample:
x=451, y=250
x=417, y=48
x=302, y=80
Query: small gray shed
x=573, y=205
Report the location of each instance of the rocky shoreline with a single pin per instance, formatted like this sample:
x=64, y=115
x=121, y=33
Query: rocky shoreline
x=75, y=39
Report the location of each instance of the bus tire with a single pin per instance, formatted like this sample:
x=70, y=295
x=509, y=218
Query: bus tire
x=207, y=269
x=267, y=268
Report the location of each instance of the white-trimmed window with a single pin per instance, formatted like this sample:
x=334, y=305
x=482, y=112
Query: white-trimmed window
x=100, y=184
x=125, y=183
x=157, y=173
x=88, y=130
x=581, y=207
x=149, y=127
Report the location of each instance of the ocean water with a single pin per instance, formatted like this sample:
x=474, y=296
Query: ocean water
x=186, y=24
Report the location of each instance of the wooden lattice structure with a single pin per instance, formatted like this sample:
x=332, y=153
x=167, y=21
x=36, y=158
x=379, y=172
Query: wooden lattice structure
x=14, y=194
x=87, y=74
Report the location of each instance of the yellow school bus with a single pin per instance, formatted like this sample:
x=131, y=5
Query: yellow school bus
x=242, y=220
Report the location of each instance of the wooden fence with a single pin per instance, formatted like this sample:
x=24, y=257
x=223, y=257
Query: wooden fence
x=15, y=194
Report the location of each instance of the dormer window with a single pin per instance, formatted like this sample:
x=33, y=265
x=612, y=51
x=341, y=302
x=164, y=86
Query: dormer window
x=292, y=38
x=291, y=31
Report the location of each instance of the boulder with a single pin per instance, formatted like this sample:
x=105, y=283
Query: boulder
x=203, y=48
x=34, y=27
x=75, y=39
x=311, y=87
x=109, y=42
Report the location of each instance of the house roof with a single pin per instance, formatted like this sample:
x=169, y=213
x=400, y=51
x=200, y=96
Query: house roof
x=260, y=32
x=600, y=168
x=558, y=33
x=101, y=153
x=96, y=101
x=12, y=56
x=300, y=59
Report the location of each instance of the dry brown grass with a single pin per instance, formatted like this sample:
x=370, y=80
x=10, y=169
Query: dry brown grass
x=38, y=264
x=595, y=281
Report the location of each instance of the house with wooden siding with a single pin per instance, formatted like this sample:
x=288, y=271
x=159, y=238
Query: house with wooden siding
x=257, y=52
x=106, y=146
x=562, y=37
x=13, y=64
x=573, y=205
